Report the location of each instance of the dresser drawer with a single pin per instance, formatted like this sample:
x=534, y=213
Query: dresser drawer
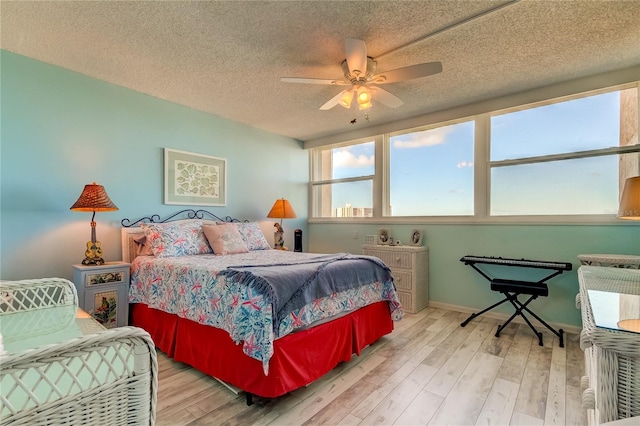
x=393, y=259
x=409, y=267
x=402, y=279
x=406, y=300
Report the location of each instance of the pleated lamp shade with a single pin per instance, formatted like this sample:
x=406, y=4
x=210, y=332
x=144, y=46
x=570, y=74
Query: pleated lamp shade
x=630, y=201
x=282, y=210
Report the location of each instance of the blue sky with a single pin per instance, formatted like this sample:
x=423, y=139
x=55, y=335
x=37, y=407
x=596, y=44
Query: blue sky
x=432, y=171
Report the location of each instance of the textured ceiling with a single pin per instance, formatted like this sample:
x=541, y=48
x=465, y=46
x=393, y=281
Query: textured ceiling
x=226, y=58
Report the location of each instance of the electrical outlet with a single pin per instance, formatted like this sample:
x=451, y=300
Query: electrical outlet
x=354, y=235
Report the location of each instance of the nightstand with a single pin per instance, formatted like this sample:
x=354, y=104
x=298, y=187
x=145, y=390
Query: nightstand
x=103, y=292
x=410, y=269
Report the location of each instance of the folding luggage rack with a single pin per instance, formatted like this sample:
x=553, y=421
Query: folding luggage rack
x=511, y=289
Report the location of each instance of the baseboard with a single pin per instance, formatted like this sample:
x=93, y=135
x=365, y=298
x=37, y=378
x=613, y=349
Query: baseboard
x=501, y=317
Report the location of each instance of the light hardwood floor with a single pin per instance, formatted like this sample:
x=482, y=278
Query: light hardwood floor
x=429, y=371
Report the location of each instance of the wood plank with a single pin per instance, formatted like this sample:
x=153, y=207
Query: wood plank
x=224, y=413
x=448, y=346
x=421, y=409
x=521, y=419
x=390, y=408
x=265, y=410
x=532, y=398
x=555, y=411
x=498, y=407
x=403, y=373
x=499, y=346
x=515, y=360
x=339, y=410
x=448, y=375
x=196, y=404
x=463, y=404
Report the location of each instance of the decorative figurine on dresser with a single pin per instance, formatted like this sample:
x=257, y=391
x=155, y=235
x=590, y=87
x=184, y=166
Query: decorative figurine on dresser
x=103, y=290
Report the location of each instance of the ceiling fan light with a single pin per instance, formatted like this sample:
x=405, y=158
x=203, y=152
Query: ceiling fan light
x=346, y=99
x=364, y=96
x=366, y=105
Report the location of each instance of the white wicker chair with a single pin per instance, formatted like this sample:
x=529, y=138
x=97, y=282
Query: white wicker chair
x=27, y=295
x=612, y=357
x=108, y=377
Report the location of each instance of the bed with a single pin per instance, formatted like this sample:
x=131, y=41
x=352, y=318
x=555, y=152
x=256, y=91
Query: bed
x=259, y=319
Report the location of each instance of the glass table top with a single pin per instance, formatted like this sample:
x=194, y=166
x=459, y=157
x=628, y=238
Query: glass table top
x=615, y=311
x=32, y=329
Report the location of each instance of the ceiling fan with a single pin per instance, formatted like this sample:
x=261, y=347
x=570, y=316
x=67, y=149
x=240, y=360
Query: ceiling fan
x=359, y=73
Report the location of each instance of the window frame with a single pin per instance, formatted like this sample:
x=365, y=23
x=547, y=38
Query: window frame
x=482, y=175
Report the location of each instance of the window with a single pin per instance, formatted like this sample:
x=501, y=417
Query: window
x=343, y=180
x=431, y=171
x=562, y=158
x=556, y=158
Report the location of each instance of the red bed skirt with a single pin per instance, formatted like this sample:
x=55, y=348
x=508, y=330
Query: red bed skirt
x=299, y=358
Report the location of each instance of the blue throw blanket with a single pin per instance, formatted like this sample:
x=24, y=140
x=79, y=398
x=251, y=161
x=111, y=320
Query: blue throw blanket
x=292, y=285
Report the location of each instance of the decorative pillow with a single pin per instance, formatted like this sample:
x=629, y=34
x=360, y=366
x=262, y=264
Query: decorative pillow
x=142, y=248
x=253, y=236
x=176, y=239
x=224, y=239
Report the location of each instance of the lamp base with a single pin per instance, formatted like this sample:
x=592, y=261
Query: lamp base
x=93, y=255
x=278, y=240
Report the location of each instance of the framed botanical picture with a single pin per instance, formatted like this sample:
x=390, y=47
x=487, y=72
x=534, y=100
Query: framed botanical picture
x=384, y=237
x=194, y=179
x=416, y=237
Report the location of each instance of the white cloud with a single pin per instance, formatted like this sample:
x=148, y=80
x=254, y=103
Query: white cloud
x=464, y=164
x=345, y=158
x=420, y=139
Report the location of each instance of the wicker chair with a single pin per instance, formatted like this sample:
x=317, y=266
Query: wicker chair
x=108, y=377
x=612, y=358
x=28, y=295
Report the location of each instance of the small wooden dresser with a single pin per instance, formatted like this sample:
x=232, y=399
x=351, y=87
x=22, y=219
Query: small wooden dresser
x=410, y=268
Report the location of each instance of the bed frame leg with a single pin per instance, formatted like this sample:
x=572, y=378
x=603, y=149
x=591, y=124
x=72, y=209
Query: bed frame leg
x=249, y=398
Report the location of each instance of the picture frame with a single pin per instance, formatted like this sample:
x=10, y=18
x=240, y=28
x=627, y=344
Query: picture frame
x=416, y=237
x=105, y=308
x=194, y=179
x=384, y=236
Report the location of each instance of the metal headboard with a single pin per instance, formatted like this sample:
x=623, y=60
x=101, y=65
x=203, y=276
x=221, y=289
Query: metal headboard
x=182, y=214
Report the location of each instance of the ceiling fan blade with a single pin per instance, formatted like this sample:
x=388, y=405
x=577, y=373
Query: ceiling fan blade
x=314, y=81
x=356, y=51
x=386, y=98
x=333, y=101
x=408, y=73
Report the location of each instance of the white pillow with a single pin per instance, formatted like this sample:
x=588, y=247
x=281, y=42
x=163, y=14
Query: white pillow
x=224, y=239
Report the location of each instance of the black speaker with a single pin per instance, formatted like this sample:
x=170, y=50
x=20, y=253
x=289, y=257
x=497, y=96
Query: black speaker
x=297, y=240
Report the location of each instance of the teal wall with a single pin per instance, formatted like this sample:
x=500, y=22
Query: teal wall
x=451, y=282
x=61, y=130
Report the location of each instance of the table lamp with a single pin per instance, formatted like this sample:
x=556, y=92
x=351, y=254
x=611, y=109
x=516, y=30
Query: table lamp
x=93, y=199
x=630, y=200
x=281, y=210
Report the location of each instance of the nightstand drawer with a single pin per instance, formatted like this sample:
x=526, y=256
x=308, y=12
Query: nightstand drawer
x=402, y=279
x=106, y=278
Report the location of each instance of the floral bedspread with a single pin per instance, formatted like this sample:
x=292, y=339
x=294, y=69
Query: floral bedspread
x=189, y=287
